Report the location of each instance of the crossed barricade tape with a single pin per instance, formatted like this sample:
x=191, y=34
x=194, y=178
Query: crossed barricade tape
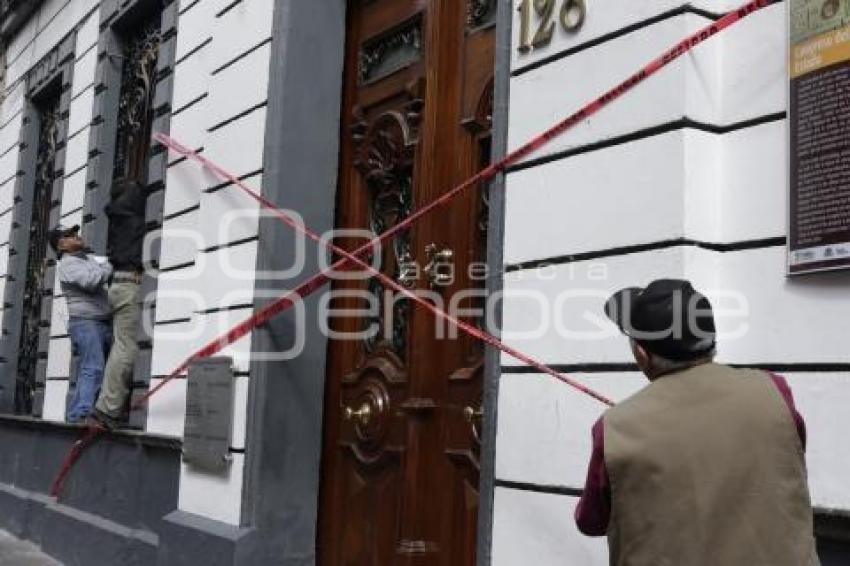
x=354, y=257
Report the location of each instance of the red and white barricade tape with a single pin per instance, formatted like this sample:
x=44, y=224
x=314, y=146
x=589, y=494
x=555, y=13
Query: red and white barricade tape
x=354, y=257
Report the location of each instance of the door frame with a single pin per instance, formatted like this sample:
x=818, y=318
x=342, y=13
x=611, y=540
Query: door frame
x=280, y=497
x=495, y=283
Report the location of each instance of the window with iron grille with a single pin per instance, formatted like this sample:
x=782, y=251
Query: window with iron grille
x=133, y=86
x=34, y=289
x=135, y=107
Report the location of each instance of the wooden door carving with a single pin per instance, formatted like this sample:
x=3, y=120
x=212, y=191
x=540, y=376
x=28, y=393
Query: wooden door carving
x=402, y=425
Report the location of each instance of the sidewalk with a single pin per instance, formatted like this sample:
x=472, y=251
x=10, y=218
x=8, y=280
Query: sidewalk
x=15, y=552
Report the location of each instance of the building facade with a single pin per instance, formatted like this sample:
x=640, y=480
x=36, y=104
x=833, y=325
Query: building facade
x=401, y=444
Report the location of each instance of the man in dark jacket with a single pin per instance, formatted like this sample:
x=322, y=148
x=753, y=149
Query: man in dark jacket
x=705, y=466
x=126, y=213
x=83, y=278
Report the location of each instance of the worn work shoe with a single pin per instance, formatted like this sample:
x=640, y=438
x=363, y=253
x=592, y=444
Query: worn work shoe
x=100, y=419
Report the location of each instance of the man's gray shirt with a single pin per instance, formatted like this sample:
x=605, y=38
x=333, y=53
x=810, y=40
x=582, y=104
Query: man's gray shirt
x=83, y=281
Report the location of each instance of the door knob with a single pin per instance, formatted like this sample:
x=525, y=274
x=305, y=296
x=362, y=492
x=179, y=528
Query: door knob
x=362, y=415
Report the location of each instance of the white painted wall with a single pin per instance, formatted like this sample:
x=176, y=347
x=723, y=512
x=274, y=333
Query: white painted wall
x=52, y=22
x=209, y=239
x=209, y=244
x=43, y=31
x=685, y=183
x=11, y=116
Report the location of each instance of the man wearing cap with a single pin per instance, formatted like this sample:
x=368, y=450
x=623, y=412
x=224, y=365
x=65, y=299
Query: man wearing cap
x=705, y=466
x=126, y=213
x=83, y=278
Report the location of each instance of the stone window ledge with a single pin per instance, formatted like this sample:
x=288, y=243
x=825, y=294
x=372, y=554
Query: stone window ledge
x=128, y=436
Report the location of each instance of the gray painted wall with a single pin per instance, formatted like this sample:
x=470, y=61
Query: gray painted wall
x=495, y=262
x=286, y=398
x=111, y=508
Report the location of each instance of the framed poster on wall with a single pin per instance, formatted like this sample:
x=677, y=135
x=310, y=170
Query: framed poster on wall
x=819, y=128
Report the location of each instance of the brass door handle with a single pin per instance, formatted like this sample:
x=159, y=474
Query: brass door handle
x=440, y=266
x=407, y=275
x=408, y=270
x=472, y=414
x=362, y=415
x=473, y=417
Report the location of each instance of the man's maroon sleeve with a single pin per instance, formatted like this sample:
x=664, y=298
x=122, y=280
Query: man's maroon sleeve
x=594, y=508
x=785, y=391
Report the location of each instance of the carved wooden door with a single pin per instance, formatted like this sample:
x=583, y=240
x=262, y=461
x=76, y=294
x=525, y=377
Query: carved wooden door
x=403, y=396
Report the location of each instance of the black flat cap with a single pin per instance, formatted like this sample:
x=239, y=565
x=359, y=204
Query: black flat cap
x=668, y=318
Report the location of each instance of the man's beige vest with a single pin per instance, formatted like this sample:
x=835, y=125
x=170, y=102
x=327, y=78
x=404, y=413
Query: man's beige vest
x=707, y=469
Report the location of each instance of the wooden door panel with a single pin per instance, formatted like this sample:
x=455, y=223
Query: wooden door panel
x=462, y=526
x=364, y=458
x=371, y=401
x=381, y=19
x=366, y=537
x=400, y=459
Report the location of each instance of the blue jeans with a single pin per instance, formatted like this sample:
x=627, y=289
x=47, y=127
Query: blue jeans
x=91, y=340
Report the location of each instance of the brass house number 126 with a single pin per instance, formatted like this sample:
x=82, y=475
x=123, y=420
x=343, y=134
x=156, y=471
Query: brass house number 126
x=538, y=33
